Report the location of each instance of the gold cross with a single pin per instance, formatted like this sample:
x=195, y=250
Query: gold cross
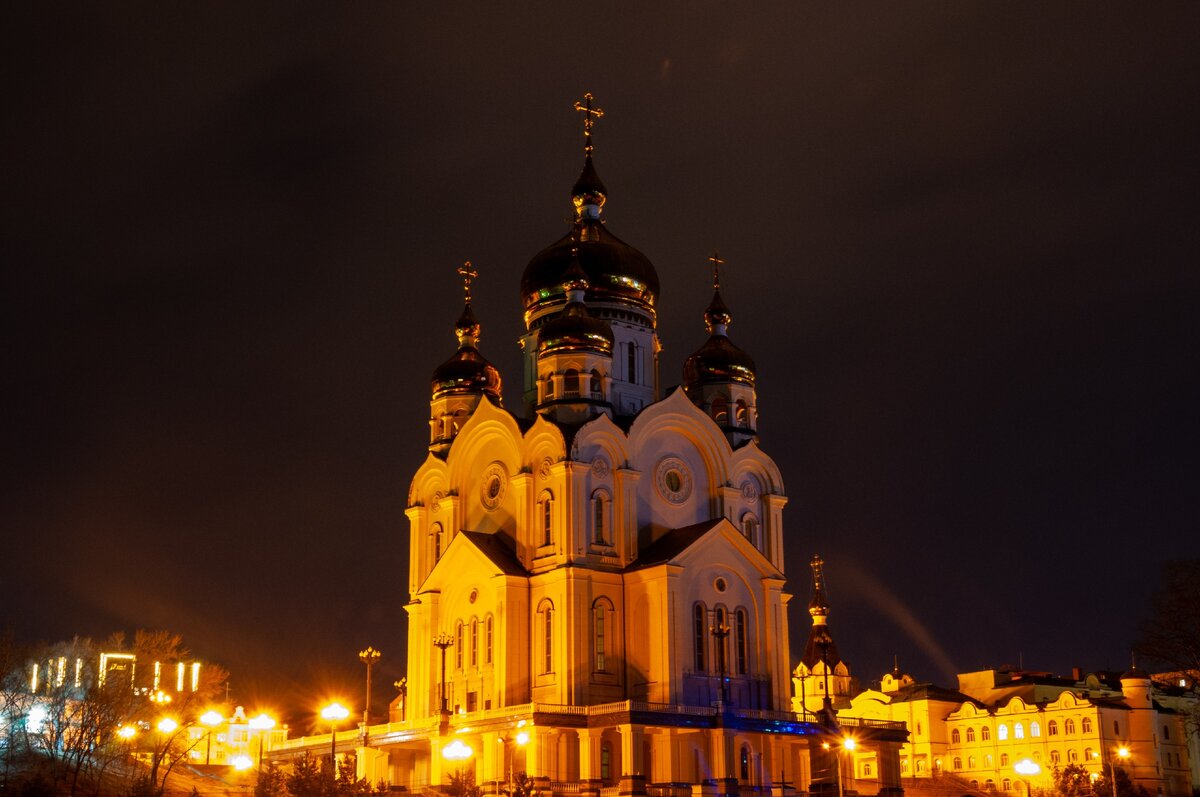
x=590, y=115
x=717, y=262
x=468, y=274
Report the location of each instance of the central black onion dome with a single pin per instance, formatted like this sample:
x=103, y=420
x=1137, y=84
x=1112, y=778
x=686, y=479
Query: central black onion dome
x=616, y=272
x=574, y=329
x=467, y=371
x=718, y=360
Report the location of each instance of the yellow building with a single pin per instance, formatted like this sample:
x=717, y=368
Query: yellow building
x=596, y=583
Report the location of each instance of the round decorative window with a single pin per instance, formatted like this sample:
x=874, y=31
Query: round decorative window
x=720, y=585
x=493, y=484
x=673, y=479
x=473, y=596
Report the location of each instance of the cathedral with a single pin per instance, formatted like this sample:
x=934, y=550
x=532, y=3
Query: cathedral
x=596, y=589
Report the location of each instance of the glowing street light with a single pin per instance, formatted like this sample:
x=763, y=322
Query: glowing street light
x=262, y=723
x=211, y=719
x=334, y=713
x=369, y=657
x=167, y=725
x=1028, y=768
x=457, y=750
x=242, y=763
x=1122, y=752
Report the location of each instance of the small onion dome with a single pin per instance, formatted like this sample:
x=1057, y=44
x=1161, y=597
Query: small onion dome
x=1134, y=674
x=574, y=329
x=467, y=371
x=718, y=360
x=616, y=272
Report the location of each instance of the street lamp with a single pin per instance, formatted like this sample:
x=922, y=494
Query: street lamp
x=262, y=723
x=441, y=642
x=1122, y=752
x=334, y=713
x=167, y=725
x=368, y=657
x=848, y=744
x=402, y=688
x=1028, y=768
x=211, y=719
x=520, y=738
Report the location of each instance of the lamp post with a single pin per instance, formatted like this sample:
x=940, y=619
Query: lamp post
x=334, y=713
x=262, y=723
x=1027, y=768
x=441, y=642
x=720, y=631
x=1122, y=752
x=824, y=640
x=402, y=688
x=521, y=738
x=368, y=657
x=211, y=719
x=848, y=744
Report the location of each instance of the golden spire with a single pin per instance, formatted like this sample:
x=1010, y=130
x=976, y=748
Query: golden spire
x=717, y=262
x=818, y=607
x=467, y=273
x=590, y=115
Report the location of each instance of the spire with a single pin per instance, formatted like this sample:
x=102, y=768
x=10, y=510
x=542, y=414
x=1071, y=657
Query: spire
x=818, y=607
x=717, y=317
x=467, y=329
x=468, y=371
x=588, y=194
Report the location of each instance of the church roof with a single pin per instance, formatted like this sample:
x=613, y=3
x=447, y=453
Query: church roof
x=495, y=548
x=673, y=543
x=927, y=691
x=820, y=637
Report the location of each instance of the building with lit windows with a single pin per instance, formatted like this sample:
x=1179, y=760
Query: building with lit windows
x=596, y=587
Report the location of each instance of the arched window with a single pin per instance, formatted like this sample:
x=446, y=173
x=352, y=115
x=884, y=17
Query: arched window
x=904, y=765
x=546, y=514
x=597, y=385
x=742, y=416
x=546, y=612
x=989, y=762
x=601, y=614
x=474, y=642
x=750, y=527
x=1069, y=726
x=458, y=644
x=1088, y=755
x=571, y=383
x=1004, y=759
x=970, y=762
x=957, y=762
x=435, y=532
x=1035, y=730
x=1054, y=757
x=699, y=637
x=631, y=362
x=1019, y=730
x=720, y=410
x=954, y=737
x=1002, y=732
x=457, y=421
x=970, y=734
x=989, y=784
x=920, y=765
x=985, y=734
x=605, y=762
x=1086, y=724
x=1052, y=728
x=722, y=621
x=740, y=641
x=745, y=764
x=1072, y=756
x=488, y=635
x=867, y=769
x=1006, y=784
x=600, y=517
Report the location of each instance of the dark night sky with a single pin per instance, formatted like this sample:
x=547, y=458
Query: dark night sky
x=962, y=249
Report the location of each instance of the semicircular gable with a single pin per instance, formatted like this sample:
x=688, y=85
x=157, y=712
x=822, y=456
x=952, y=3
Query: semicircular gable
x=433, y=475
x=601, y=436
x=544, y=440
x=750, y=460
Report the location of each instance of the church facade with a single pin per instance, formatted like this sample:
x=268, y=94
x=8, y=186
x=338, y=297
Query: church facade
x=596, y=579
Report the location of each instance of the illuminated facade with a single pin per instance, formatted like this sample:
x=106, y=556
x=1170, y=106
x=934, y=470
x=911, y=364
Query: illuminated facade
x=600, y=576
x=990, y=730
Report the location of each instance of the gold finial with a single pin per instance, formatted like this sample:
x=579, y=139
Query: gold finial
x=717, y=262
x=590, y=115
x=467, y=273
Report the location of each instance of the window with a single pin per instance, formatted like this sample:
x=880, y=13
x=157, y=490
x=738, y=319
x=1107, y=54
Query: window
x=1069, y=727
x=1054, y=757
x=989, y=762
x=1052, y=728
x=867, y=770
x=970, y=762
x=488, y=634
x=745, y=763
x=458, y=644
x=699, y=639
x=954, y=737
x=989, y=784
x=904, y=765
x=985, y=734
x=957, y=762
x=571, y=383
x=720, y=411
x=1116, y=728
x=474, y=642
x=547, y=622
x=600, y=515
x=740, y=632
x=597, y=385
x=970, y=734
x=1086, y=724
x=1002, y=732
x=1072, y=756
x=1019, y=730
x=605, y=762
x=750, y=527
x=435, y=532
x=742, y=416
x=631, y=362
x=547, y=514
x=1035, y=730
x=920, y=765
x=1166, y=733
x=1004, y=759
x=600, y=613
x=1088, y=755
x=1006, y=784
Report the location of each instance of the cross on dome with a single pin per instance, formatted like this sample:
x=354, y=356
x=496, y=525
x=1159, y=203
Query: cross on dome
x=468, y=273
x=590, y=115
x=717, y=262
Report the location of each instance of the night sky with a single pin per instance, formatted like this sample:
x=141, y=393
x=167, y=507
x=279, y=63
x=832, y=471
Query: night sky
x=961, y=245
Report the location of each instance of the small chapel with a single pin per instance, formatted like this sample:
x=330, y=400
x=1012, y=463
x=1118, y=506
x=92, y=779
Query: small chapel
x=596, y=591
